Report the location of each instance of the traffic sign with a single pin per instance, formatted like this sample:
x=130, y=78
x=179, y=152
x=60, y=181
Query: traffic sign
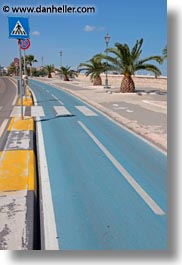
x=24, y=44
x=16, y=62
x=18, y=27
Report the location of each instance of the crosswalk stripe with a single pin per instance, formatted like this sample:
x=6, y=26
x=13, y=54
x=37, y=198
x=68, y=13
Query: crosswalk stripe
x=3, y=126
x=16, y=112
x=86, y=111
x=61, y=111
x=37, y=111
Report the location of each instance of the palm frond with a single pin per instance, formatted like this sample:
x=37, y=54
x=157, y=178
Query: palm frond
x=127, y=61
x=154, y=58
x=149, y=67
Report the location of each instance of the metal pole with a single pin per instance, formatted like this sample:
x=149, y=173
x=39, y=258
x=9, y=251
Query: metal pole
x=61, y=53
x=24, y=64
x=107, y=39
x=21, y=90
x=42, y=58
x=106, y=82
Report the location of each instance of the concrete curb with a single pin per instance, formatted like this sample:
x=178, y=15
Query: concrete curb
x=18, y=184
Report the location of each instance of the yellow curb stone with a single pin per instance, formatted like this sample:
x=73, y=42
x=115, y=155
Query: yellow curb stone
x=27, y=124
x=28, y=93
x=17, y=170
x=27, y=101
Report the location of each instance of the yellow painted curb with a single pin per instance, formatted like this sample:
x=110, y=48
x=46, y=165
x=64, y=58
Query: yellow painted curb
x=17, y=170
x=27, y=124
x=27, y=101
x=28, y=93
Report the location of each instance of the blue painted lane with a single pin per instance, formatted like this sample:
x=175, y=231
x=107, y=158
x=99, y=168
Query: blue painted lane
x=95, y=206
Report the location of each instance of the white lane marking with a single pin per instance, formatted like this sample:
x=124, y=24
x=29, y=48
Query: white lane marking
x=60, y=102
x=155, y=104
x=115, y=105
x=49, y=222
x=47, y=91
x=86, y=111
x=37, y=111
x=16, y=95
x=1, y=108
x=148, y=200
x=61, y=111
x=57, y=99
x=50, y=240
x=16, y=112
x=128, y=110
x=15, y=99
x=3, y=126
x=123, y=108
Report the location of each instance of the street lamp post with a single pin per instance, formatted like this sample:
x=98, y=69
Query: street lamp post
x=42, y=62
x=61, y=54
x=107, y=39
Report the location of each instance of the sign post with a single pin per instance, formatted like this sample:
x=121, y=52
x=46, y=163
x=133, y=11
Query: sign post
x=21, y=90
x=24, y=45
x=16, y=63
x=19, y=29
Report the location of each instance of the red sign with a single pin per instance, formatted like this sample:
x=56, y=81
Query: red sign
x=24, y=44
x=16, y=62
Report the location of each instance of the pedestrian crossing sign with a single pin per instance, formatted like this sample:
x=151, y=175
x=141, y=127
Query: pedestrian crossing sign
x=18, y=27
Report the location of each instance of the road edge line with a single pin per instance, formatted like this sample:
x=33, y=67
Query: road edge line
x=49, y=238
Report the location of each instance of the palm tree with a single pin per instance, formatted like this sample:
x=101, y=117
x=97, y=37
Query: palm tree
x=164, y=53
x=12, y=69
x=67, y=72
x=94, y=67
x=49, y=68
x=30, y=59
x=126, y=62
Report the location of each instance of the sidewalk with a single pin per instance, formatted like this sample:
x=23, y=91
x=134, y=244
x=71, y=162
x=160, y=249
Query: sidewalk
x=144, y=112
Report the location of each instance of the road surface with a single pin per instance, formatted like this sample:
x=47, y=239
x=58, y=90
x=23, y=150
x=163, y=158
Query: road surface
x=102, y=186
x=8, y=97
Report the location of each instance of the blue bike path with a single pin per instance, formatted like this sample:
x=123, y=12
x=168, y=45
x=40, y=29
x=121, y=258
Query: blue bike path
x=95, y=203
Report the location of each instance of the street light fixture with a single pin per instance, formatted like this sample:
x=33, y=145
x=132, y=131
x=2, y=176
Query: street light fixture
x=107, y=39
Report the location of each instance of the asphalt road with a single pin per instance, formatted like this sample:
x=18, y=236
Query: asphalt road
x=102, y=186
x=8, y=96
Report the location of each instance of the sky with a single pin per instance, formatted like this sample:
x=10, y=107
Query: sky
x=80, y=36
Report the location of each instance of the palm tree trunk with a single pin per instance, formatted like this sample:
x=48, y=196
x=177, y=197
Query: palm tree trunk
x=127, y=85
x=31, y=71
x=97, y=81
x=66, y=78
